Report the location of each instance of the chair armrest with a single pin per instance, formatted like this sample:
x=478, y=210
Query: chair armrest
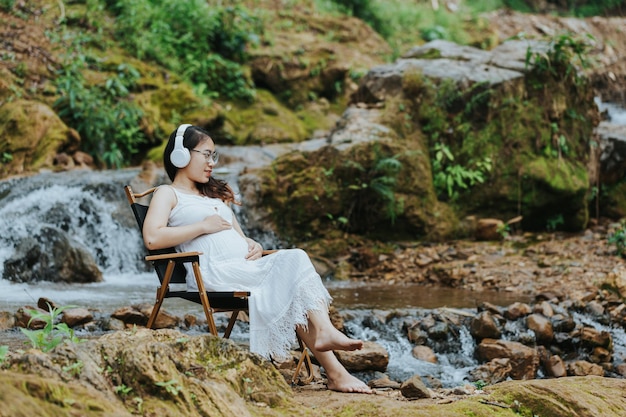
x=173, y=256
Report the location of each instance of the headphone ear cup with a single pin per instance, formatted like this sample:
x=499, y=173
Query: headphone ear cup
x=180, y=157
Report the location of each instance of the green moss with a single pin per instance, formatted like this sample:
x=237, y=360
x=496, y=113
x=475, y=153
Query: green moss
x=264, y=121
x=561, y=176
x=612, y=201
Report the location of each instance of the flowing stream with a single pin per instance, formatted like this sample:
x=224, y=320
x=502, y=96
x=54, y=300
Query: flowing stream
x=92, y=208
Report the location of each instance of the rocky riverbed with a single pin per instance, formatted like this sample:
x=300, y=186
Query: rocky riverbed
x=543, y=265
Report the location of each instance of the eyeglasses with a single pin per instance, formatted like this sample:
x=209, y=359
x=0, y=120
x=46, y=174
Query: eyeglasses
x=208, y=155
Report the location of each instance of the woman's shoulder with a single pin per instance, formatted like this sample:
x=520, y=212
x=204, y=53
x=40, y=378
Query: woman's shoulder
x=165, y=192
x=167, y=189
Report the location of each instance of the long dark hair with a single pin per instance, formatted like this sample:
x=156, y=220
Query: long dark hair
x=215, y=188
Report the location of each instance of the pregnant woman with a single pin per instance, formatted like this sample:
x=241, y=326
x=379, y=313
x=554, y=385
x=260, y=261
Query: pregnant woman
x=288, y=296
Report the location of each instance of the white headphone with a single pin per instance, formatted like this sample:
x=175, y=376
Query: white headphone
x=180, y=155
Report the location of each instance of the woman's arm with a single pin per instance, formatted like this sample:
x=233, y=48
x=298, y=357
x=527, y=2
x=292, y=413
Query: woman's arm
x=158, y=235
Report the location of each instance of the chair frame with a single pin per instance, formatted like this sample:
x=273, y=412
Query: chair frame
x=224, y=301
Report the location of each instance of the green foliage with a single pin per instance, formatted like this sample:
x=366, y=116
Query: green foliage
x=618, y=238
x=7, y=5
x=398, y=20
x=204, y=43
x=450, y=178
x=53, y=333
x=4, y=351
x=480, y=384
x=433, y=32
x=566, y=55
x=122, y=390
x=171, y=386
x=372, y=188
x=554, y=222
x=104, y=115
x=503, y=230
x=6, y=157
x=75, y=368
x=367, y=11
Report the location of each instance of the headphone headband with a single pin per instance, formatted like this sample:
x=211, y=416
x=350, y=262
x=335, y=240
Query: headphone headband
x=181, y=130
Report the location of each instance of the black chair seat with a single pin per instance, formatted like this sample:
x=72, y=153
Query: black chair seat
x=219, y=300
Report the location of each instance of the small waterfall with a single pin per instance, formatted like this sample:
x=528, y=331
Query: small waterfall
x=615, y=113
x=87, y=205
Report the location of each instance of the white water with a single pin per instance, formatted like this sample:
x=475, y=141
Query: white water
x=616, y=114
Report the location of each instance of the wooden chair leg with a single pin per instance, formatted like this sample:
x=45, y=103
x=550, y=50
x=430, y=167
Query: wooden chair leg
x=161, y=294
x=305, y=359
x=208, y=311
x=231, y=323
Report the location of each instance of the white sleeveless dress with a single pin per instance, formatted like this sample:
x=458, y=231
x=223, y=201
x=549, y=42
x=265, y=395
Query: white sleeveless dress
x=284, y=285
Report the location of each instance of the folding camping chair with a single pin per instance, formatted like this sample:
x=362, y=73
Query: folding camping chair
x=169, y=266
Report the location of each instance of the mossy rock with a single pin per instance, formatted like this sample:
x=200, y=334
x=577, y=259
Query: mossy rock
x=145, y=372
x=554, y=194
x=313, y=56
x=26, y=395
x=31, y=134
x=174, y=103
x=313, y=194
x=266, y=120
x=612, y=201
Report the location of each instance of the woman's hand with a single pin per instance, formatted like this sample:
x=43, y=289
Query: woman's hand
x=215, y=223
x=255, y=250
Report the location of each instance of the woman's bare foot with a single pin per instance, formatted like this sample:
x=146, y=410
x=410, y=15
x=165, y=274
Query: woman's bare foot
x=335, y=340
x=348, y=383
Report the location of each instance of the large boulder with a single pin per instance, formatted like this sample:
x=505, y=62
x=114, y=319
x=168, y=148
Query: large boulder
x=345, y=186
x=161, y=372
x=524, y=360
x=31, y=135
x=499, y=128
x=51, y=255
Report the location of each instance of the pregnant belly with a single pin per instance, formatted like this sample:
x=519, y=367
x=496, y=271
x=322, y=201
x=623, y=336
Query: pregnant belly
x=227, y=245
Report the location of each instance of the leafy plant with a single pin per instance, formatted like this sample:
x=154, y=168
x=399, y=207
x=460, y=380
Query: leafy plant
x=618, y=238
x=74, y=369
x=170, y=386
x=451, y=178
x=4, y=350
x=480, y=384
x=565, y=56
x=53, y=333
x=374, y=187
x=122, y=389
x=503, y=230
x=6, y=157
x=554, y=222
x=203, y=42
x=105, y=117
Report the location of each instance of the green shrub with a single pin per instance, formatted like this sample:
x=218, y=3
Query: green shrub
x=202, y=42
x=4, y=350
x=618, y=238
x=105, y=117
x=372, y=189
